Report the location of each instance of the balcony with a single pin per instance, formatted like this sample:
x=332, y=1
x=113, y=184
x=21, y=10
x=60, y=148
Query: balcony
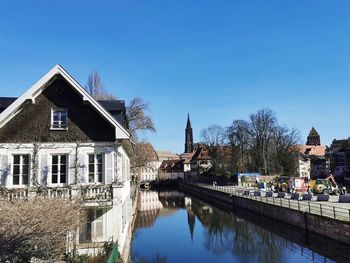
x=90, y=195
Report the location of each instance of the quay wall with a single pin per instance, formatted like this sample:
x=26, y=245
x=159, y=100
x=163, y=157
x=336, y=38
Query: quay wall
x=329, y=227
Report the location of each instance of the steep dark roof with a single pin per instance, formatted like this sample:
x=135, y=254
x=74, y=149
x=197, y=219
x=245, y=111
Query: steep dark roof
x=117, y=109
x=113, y=105
x=313, y=132
x=5, y=102
x=201, y=153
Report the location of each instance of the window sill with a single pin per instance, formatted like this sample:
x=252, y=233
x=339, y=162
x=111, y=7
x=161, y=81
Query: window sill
x=59, y=129
x=18, y=186
x=57, y=185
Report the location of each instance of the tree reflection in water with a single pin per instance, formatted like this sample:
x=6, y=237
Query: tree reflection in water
x=156, y=259
x=204, y=233
x=227, y=233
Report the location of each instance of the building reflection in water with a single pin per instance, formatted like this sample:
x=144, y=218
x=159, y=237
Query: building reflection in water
x=249, y=237
x=148, y=208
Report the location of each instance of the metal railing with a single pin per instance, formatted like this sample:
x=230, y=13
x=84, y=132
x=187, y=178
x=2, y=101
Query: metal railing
x=303, y=251
x=312, y=207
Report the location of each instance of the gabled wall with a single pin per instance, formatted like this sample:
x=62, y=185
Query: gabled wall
x=32, y=123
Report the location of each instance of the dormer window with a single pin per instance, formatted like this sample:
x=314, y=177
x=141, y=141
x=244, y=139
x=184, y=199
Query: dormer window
x=59, y=119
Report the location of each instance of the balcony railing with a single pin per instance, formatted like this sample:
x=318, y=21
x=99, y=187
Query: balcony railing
x=98, y=192
x=84, y=193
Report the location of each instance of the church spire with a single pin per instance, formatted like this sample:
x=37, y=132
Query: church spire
x=188, y=136
x=188, y=126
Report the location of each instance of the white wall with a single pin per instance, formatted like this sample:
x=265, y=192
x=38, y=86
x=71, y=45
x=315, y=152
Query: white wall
x=149, y=172
x=115, y=159
x=304, y=168
x=112, y=225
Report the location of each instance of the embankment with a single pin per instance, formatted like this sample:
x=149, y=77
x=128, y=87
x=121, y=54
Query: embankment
x=332, y=228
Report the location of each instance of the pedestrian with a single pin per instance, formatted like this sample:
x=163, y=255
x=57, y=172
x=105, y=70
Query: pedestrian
x=308, y=189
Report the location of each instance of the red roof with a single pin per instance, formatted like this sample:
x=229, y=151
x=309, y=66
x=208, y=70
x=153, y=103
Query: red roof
x=316, y=150
x=146, y=149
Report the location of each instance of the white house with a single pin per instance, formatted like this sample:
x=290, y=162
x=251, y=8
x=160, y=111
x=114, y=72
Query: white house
x=147, y=164
x=312, y=162
x=56, y=136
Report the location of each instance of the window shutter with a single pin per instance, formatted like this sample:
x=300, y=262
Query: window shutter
x=44, y=170
x=82, y=168
x=99, y=228
x=71, y=170
x=4, y=169
x=118, y=168
x=108, y=168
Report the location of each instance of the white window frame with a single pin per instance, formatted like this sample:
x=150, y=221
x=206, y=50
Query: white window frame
x=20, y=169
x=59, y=183
x=94, y=225
x=59, y=128
x=91, y=226
x=95, y=168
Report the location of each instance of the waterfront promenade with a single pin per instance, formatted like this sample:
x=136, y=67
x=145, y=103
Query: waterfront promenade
x=331, y=208
x=330, y=219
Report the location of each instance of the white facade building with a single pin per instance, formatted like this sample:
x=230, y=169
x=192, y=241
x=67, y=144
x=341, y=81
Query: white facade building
x=57, y=138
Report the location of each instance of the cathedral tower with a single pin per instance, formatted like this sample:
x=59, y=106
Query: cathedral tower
x=313, y=138
x=188, y=136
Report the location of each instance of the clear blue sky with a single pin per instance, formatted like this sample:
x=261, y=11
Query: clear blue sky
x=218, y=60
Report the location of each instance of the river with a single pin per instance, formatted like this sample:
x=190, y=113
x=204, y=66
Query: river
x=174, y=227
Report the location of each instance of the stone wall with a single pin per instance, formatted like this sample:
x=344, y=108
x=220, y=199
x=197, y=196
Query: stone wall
x=328, y=227
x=332, y=228
x=290, y=216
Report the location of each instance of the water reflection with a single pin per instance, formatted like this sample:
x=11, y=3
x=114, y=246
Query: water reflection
x=225, y=232
x=179, y=228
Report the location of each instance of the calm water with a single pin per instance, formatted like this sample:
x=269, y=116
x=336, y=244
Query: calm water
x=173, y=227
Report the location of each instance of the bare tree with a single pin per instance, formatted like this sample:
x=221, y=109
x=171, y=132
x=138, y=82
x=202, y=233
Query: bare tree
x=285, y=142
x=263, y=124
x=263, y=144
x=139, y=117
x=36, y=228
x=96, y=88
x=214, y=138
x=137, y=111
x=239, y=136
x=214, y=135
x=144, y=154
